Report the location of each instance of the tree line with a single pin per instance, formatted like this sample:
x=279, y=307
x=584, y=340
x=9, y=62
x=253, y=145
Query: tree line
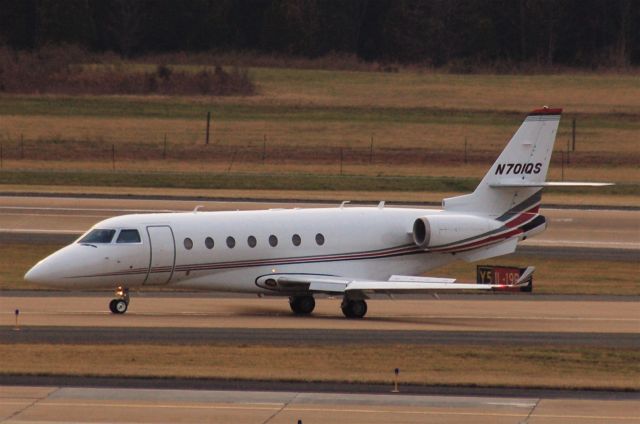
x=466, y=34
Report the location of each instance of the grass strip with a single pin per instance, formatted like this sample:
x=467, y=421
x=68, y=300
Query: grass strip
x=242, y=181
x=540, y=366
x=186, y=108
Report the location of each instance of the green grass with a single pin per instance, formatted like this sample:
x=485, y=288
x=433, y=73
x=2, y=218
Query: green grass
x=239, y=181
x=258, y=181
x=188, y=108
x=309, y=182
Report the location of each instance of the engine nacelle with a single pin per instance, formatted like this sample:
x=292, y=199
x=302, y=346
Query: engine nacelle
x=438, y=230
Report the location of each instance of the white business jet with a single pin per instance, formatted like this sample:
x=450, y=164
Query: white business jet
x=351, y=252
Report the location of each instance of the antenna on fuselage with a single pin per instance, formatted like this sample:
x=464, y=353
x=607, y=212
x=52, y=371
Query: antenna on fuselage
x=344, y=203
x=195, y=210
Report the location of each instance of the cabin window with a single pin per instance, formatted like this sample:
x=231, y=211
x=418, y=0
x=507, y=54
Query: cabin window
x=208, y=242
x=128, y=236
x=273, y=240
x=98, y=236
x=231, y=242
x=251, y=241
x=296, y=240
x=188, y=243
x=319, y=239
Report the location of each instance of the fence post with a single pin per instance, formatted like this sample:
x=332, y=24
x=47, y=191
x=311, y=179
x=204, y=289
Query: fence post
x=208, y=124
x=371, y=150
x=164, y=150
x=233, y=159
x=465, y=150
x=573, y=134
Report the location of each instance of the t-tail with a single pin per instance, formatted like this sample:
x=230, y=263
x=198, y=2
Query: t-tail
x=514, y=183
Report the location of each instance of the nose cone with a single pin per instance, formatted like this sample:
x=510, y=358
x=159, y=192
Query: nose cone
x=52, y=270
x=45, y=272
x=36, y=274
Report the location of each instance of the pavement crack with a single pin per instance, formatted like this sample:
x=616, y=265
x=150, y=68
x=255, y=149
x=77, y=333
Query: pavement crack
x=526, y=420
x=32, y=404
x=284, y=406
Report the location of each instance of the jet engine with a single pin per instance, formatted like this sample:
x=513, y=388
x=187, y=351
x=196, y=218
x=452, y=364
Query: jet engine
x=439, y=230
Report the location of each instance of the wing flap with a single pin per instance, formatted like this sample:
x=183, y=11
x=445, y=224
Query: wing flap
x=399, y=287
x=397, y=284
x=415, y=279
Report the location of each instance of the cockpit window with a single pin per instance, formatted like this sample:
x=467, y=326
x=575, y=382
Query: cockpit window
x=98, y=236
x=128, y=236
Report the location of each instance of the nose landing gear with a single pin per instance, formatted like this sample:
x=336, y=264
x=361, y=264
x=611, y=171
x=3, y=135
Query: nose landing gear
x=120, y=304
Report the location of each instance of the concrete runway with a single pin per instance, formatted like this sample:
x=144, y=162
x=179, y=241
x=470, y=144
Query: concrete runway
x=118, y=405
x=576, y=228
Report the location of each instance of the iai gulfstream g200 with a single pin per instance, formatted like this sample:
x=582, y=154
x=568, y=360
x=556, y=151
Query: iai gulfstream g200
x=351, y=252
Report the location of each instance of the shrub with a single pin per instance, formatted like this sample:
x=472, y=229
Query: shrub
x=60, y=70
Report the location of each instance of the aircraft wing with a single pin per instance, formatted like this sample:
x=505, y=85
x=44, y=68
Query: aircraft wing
x=397, y=284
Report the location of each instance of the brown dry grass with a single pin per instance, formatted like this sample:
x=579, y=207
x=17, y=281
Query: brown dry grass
x=316, y=195
x=311, y=100
x=448, y=136
x=577, y=92
x=540, y=366
x=567, y=276
x=621, y=174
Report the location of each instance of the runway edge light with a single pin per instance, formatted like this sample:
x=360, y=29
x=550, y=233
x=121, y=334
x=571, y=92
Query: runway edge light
x=17, y=327
x=395, y=381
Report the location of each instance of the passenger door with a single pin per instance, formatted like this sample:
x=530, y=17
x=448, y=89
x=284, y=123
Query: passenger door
x=162, y=257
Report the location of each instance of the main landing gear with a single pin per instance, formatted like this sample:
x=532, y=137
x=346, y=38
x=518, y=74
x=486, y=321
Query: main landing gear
x=120, y=304
x=354, y=308
x=302, y=305
x=351, y=308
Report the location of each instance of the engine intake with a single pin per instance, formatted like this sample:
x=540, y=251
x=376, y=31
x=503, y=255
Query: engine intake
x=437, y=230
x=422, y=232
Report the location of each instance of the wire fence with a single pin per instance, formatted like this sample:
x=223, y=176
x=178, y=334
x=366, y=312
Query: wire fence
x=130, y=153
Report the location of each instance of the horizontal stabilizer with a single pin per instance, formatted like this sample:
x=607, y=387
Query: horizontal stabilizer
x=516, y=184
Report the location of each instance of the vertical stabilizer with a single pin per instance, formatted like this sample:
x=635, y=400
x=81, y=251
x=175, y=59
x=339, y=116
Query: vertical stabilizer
x=524, y=161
